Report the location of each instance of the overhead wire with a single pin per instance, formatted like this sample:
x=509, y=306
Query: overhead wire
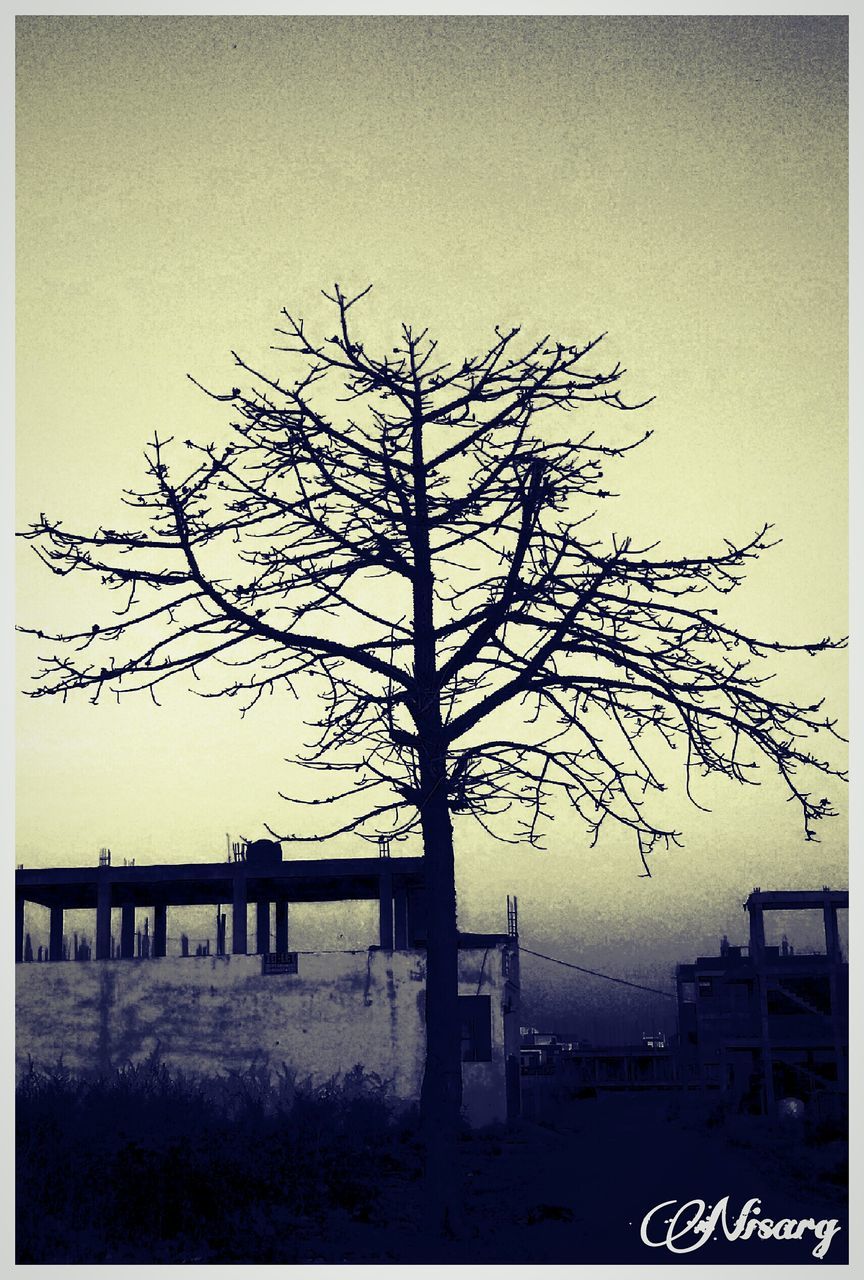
x=594, y=973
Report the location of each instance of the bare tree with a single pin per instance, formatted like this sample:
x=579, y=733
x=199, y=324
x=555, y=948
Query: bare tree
x=409, y=536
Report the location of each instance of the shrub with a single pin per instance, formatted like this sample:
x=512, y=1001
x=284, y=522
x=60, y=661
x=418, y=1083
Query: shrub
x=145, y=1164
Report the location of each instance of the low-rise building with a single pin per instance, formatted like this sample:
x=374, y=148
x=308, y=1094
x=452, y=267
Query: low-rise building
x=317, y=1013
x=764, y=1023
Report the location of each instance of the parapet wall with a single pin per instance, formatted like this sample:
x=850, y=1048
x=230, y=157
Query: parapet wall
x=211, y=1015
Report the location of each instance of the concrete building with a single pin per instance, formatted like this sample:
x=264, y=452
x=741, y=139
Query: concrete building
x=319, y=1013
x=573, y=1062
x=763, y=1023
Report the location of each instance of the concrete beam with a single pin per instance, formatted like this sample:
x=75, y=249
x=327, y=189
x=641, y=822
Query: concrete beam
x=201, y=884
x=797, y=899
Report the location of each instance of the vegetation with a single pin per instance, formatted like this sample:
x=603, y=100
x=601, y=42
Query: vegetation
x=145, y=1165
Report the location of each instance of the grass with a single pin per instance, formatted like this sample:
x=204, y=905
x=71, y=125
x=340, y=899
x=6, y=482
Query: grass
x=147, y=1165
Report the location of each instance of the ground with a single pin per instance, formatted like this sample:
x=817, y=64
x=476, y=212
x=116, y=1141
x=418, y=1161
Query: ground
x=151, y=1169
x=576, y=1191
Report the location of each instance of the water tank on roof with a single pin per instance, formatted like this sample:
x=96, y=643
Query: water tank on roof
x=263, y=853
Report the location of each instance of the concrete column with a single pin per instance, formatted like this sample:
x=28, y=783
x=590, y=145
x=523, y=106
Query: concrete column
x=127, y=931
x=757, y=932
x=400, y=913
x=238, y=915
x=757, y=957
x=416, y=917
x=262, y=927
x=19, y=928
x=281, y=927
x=767, y=1049
x=385, y=908
x=160, y=929
x=832, y=950
x=55, y=945
x=832, y=933
x=840, y=1040
x=103, y=918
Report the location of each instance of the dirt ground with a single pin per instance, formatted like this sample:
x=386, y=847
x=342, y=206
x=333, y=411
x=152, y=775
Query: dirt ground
x=576, y=1191
x=142, y=1176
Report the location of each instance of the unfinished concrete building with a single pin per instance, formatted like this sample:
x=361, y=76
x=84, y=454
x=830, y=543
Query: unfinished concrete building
x=764, y=1023
x=320, y=1013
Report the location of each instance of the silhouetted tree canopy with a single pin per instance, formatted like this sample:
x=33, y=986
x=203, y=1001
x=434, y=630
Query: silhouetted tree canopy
x=409, y=538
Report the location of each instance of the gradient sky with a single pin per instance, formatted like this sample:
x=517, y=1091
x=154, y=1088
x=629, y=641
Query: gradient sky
x=677, y=182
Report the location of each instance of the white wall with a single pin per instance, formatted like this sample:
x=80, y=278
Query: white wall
x=212, y=1015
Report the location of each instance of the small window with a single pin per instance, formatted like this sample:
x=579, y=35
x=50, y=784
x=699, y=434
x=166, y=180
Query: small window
x=476, y=1015
x=279, y=962
x=688, y=992
x=706, y=986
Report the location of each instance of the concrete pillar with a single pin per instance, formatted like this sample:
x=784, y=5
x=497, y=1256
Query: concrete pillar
x=262, y=927
x=103, y=918
x=400, y=914
x=55, y=944
x=416, y=917
x=832, y=950
x=385, y=909
x=160, y=929
x=841, y=1040
x=767, y=1048
x=832, y=933
x=238, y=915
x=281, y=927
x=19, y=928
x=757, y=932
x=127, y=931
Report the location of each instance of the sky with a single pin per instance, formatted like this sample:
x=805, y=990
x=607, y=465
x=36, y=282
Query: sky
x=677, y=183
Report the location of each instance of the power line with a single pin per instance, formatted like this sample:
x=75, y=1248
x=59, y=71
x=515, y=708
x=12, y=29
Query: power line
x=594, y=974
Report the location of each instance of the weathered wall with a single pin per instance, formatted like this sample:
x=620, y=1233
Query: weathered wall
x=211, y=1015
x=484, y=1087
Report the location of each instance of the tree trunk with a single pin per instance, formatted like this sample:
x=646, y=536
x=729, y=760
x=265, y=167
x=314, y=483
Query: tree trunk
x=441, y=1096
